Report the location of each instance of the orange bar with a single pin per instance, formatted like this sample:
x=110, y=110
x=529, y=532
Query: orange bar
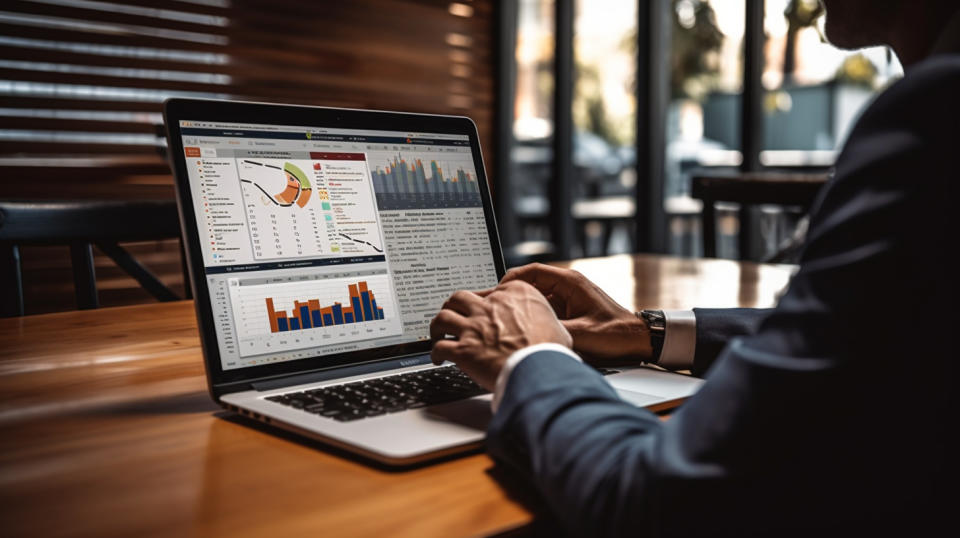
x=353, y=291
x=363, y=286
x=272, y=314
x=312, y=305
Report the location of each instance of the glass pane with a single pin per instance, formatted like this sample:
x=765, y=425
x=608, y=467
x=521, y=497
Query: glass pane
x=532, y=154
x=604, y=105
x=703, y=119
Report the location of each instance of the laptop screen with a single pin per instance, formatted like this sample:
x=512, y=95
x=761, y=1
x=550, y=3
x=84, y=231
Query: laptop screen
x=318, y=242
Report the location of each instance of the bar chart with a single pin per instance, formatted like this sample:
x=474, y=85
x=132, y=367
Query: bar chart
x=307, y=311
x=408, y=180
x=309, y=314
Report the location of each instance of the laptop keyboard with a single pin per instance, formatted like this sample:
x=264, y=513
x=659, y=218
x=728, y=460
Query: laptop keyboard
x=374, y=397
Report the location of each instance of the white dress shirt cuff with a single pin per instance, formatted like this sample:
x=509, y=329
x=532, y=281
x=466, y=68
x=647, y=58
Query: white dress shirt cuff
x=514, y=359
x=680, y=340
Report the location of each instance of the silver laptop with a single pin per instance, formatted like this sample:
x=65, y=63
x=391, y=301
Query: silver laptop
x=321, y=242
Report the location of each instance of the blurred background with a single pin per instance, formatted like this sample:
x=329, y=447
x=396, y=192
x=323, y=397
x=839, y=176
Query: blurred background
x=594, y=116
x=809, y=96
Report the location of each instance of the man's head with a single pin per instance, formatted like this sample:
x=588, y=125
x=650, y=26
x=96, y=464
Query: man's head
x=911, y=27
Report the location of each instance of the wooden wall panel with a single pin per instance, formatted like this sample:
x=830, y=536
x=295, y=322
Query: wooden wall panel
x=81, y=86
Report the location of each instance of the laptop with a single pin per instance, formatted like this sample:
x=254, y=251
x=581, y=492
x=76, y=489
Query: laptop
x=320, y=243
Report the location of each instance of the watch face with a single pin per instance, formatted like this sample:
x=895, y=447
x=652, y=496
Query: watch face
x=655, y=319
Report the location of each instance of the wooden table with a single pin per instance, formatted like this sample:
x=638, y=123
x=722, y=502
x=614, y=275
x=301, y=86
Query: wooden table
x=106, y=429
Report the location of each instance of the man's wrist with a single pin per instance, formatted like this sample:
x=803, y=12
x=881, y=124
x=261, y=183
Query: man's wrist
x=503, y=378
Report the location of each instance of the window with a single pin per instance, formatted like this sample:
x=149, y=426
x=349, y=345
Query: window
x=603, y=109
x=814, y=91
x=703, y=118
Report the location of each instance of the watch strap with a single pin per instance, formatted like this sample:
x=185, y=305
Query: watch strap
x=657, y=324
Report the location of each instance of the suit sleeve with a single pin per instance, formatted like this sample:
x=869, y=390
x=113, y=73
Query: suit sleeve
x=717, y=326
x=802, y=425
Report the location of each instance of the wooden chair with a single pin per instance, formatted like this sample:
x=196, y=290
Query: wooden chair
x=792, y=189
x=80, y=225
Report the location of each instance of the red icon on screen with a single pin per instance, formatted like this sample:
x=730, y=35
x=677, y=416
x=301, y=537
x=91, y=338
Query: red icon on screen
x=316, y=166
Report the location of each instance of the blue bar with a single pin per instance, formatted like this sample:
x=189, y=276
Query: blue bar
x=317, y=322
x=305, y=316
x=348, y=317
x=396, y=184
x=294, y=324
x=365, y=299
x=373, y=307
x=337, y=315
x=379, y=313
x=282, y=324
x=327, y=319
x=357, y=310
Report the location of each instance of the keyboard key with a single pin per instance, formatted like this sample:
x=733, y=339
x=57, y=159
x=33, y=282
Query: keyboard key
x=349, y=415
x=390, y=394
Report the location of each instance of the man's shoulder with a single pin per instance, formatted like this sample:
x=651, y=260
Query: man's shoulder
x=935, y=69
x=895, y=173
x=925, y=98
x=906, y=129
x=940, y=73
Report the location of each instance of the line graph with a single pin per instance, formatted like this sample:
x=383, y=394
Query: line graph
x=299, y=207
x=361, y=241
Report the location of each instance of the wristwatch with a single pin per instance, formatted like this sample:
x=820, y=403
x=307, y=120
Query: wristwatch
x=657, y=323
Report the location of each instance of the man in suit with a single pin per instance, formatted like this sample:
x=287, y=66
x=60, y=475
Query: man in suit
x=831, y=413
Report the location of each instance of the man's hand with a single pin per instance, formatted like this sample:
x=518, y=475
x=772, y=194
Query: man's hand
x=600, y=327
x=489, y=326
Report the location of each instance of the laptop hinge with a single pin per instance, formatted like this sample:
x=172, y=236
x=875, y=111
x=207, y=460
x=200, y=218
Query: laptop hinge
x=337, y=373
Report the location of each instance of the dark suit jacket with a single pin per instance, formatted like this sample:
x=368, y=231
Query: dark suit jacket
x=836, y=415
x=717, y=326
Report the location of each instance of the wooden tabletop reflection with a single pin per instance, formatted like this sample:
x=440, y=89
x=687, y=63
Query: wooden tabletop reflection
x=106, y=428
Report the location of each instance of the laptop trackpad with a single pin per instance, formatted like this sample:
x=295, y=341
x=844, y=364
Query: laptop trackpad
x=473, y=413
x=638, y=399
